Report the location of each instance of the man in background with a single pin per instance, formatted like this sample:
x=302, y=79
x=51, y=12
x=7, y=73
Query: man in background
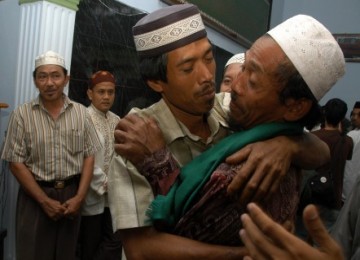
x=97, y=239
x=352, y=167
x=50, y=146
x=231, y=70
x=341, y=148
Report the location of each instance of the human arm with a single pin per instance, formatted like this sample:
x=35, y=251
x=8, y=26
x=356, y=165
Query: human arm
x=266, y=239
x=129, y=195
x=52, y=208
x=267, y=162
x=141, y=141
x=137, y=138
x=148, y=243
x=73, y=204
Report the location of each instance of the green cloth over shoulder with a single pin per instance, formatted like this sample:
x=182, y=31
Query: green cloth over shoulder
x=193, y=176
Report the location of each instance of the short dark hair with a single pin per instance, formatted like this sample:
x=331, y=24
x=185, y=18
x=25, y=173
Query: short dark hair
x=154, y=68
x=294, y=86
x=64, y=70
x=334, y=111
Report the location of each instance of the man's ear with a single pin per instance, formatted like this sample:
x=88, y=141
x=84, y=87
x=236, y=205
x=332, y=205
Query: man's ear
x=89, y=94
x=297, y=109
x=67, y=79
x=156, y=85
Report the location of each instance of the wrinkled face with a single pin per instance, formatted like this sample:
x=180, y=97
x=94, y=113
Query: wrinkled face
x=102, y=96
x=50, y=81
x=230, y=74
x=255, y=92
x=355, y=118
x=191, y=79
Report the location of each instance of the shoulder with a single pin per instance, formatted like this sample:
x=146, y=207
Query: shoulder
x=355, y=135
x=78, y=106
x=348, y=139
x=113, y=115
x=221, y=108
x=79, y=109
x=157, y=110
x=25, y=111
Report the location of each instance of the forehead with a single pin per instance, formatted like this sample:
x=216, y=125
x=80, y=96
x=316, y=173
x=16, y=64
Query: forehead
x=104, y=85
x=356, y=110
x=233, y=68
x=190, y=51
x=49, y=68
x=264, y=55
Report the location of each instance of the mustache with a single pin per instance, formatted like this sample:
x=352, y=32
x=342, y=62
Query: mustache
x=233, y=95
x=207, y=87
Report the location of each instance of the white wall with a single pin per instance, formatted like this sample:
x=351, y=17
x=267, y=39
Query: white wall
x=9, y=31
x=338, y=17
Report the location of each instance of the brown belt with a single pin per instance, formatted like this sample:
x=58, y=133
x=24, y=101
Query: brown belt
x=60, y=184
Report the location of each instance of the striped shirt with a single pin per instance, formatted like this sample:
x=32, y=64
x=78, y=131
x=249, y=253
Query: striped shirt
x=51, y=149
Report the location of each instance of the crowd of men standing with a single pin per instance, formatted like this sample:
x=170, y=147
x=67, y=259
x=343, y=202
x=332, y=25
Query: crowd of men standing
x=87, y=177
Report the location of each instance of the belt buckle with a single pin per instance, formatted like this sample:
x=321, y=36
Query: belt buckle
x=59, y=184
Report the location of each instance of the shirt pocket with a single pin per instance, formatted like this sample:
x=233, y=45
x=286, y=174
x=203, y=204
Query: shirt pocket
x=74, y=141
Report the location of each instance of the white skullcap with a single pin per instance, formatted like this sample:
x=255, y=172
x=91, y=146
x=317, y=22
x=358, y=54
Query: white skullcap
x=237, y=58
x=313, y=50
x=49, y=58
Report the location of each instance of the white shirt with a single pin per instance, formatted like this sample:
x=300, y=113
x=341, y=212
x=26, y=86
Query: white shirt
x=352, y=167
x=96, y=199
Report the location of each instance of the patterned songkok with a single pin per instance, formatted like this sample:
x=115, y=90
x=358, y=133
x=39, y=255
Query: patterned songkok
x=167, y=29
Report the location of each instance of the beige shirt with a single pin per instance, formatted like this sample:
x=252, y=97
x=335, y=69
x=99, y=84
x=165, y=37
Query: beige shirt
x=129, y=192
x=96, y=199
x=51, y=149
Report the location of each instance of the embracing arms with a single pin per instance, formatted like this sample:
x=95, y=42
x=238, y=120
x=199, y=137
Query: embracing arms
x=267, y=162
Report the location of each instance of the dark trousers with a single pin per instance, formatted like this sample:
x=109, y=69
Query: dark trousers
x=97, y=240
x=40, y=238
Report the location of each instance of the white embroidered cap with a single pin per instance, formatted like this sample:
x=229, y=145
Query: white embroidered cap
x=167, y=29
x=49, y=57
x=313, y=50
x=237, y=58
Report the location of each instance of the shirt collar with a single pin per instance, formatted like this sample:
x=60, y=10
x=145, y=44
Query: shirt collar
x=175, y=129
x=98, y=112
x=38, y=103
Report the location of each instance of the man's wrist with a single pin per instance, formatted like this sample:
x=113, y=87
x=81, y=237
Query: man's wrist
x=159, y=164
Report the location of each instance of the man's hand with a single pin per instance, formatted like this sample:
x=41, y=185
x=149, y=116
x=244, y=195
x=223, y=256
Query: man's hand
x=137, y=137
x=265, y=239
x=72, y=206
x=266, y=163
x=53, y=208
